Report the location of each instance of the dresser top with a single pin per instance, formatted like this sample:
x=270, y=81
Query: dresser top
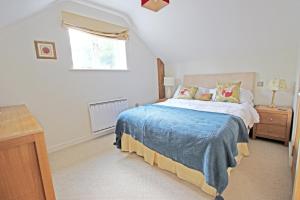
x=278, y=110
x=17, y=121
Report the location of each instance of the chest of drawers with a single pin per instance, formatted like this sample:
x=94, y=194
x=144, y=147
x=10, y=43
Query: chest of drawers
x=24, y=167
x=275, y=123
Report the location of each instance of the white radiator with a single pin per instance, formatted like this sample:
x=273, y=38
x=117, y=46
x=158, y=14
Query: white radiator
x=104, y=114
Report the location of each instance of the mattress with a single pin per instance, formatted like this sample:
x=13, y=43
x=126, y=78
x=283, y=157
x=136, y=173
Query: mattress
x=202, y=136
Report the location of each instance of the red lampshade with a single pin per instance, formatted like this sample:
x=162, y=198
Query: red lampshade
x=154, y=5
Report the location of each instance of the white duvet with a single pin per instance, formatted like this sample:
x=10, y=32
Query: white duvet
x=244, y=110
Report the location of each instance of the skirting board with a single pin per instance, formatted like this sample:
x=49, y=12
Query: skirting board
x=75, y=141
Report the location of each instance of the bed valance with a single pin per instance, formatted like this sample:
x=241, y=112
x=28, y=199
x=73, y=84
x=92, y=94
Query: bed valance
x=94, y=26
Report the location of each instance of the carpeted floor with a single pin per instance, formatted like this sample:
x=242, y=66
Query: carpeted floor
x=96, y=170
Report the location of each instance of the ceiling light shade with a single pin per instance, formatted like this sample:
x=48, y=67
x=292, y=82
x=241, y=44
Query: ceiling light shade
x=155, y=5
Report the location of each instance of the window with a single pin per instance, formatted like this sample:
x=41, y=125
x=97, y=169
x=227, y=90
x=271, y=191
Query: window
x=94, y=52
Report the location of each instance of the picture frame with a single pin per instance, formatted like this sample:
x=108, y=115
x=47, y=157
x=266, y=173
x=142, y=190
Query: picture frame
x=45, y=50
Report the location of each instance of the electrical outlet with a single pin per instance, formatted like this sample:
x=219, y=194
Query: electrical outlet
x=260, y=84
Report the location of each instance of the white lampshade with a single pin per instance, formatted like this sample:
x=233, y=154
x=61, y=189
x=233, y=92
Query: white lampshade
x=169, y=81
x=277, y=84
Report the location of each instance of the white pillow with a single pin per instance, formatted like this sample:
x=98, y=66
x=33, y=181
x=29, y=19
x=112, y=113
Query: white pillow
x=214, y=92
x=177, y=91
x=246, y=96
x=202, y=90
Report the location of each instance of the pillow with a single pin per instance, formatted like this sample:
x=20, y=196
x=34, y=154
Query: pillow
x=177, y=91
x=246, y=96
x=201, y=90
x=213, y=91
x=228, y=92
x=186, y=92
x=204, y=97
x=203, y=94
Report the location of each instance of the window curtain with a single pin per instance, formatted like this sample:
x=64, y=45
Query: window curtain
x=94, y=26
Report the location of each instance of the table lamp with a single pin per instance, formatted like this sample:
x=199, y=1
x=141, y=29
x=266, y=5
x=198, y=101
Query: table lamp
x=169, y=83
x=275, y=85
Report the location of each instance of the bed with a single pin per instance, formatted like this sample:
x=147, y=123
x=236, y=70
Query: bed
x=199, y=141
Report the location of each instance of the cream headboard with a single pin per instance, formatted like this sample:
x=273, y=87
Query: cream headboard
x=210, y=80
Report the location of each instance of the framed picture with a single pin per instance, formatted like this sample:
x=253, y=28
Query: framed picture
x=45, y=50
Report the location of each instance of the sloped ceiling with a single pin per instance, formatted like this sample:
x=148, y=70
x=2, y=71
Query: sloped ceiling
x=13, y=10
x=187, y=30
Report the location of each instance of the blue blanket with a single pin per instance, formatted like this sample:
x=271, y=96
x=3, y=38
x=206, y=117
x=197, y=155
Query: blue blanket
x=204, y=141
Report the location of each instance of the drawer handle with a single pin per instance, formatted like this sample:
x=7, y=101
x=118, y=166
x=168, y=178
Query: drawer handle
x=271, y=119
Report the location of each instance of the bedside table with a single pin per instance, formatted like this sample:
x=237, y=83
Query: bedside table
x=161, y=100
x=275, y=123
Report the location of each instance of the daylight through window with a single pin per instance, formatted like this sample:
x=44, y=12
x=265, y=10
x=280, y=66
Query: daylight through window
x=93, y=52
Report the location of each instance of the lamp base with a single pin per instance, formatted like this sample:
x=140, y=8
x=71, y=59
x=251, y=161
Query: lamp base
x=273, y=99
x=168, y=92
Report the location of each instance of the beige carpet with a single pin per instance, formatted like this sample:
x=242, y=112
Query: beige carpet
x=96, y=170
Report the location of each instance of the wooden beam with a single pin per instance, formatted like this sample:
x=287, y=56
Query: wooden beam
x=161, y=75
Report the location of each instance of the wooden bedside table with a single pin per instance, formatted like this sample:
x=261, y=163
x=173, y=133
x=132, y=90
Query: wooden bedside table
x=275, y=123
x=161, y=100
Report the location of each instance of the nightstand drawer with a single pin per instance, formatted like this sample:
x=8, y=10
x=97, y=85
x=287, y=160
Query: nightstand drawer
x=268, y=118
x=271, y=130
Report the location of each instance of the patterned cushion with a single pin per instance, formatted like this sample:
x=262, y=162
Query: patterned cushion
x=228, y=92
x=186, y=93
x=203, y=94
x=204, y=97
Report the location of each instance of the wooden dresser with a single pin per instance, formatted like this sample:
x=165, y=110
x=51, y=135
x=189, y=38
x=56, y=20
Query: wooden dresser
x=24, y=167
x=275, y=123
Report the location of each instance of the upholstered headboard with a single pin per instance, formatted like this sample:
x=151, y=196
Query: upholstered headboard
x=210, y=80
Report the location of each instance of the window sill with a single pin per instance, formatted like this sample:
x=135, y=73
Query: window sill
x=108, y=70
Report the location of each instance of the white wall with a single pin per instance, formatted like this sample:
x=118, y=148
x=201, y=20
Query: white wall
x=279, y=63
x=56, y=95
